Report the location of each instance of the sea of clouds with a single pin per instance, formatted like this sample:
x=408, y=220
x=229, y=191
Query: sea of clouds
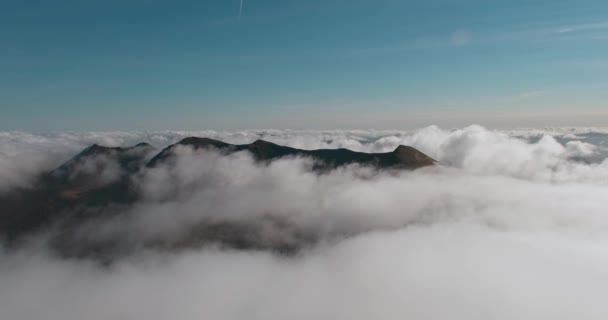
x=510, y=225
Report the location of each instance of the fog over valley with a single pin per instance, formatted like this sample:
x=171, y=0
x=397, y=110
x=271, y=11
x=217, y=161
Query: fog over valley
x=503, y=225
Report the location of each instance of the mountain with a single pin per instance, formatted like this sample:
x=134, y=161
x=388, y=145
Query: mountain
x=80, y=191
x=98, y=167
x=96, y=177
x=401, y=158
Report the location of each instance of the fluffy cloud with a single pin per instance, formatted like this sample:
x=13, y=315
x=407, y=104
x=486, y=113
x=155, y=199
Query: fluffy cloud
x=23, y=155
x=509, y=227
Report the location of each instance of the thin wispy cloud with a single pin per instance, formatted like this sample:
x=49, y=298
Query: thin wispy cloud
x=582, y=27
x=460, y=38
x=241, y=10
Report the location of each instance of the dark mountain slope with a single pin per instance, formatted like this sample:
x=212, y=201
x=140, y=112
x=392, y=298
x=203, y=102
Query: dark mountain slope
x=97, y=176
x=401, y=158
x=97, y=170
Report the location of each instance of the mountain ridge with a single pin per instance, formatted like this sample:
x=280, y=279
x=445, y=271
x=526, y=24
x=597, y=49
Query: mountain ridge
x=403, y=157
x=101, y=177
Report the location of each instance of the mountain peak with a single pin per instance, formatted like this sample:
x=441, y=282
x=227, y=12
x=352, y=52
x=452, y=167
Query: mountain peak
x=193, y=142
x=142, y=145
x=261, y=142
x=409, y=155
x=198, y=142
x=402, y=148
x=129, y=158
x=96, y=149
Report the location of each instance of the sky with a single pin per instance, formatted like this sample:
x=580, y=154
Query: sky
x=154, y=65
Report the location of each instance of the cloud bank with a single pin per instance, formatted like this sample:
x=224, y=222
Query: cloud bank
x=512, y=225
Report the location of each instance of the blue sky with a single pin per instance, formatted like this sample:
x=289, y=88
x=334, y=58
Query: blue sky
x=104, y=65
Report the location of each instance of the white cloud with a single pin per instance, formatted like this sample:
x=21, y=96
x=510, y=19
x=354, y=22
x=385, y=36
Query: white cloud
x=511, y=228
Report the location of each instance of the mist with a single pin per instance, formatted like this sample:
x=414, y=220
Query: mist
x=509, y=225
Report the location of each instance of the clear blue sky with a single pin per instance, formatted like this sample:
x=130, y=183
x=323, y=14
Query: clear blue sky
x=129, y=64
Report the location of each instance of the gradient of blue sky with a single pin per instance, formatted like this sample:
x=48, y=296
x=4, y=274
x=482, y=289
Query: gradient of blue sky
x=131, y=64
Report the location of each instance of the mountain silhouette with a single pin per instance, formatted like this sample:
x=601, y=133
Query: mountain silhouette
x=401, y=158
x=101, y=177
x=96, y=177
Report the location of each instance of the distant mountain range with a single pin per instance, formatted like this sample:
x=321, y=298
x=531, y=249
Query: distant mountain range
x=99, y=177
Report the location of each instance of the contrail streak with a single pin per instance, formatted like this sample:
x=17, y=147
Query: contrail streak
x=240, y=10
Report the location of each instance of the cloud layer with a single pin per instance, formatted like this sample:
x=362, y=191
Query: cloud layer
x=510, y=226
